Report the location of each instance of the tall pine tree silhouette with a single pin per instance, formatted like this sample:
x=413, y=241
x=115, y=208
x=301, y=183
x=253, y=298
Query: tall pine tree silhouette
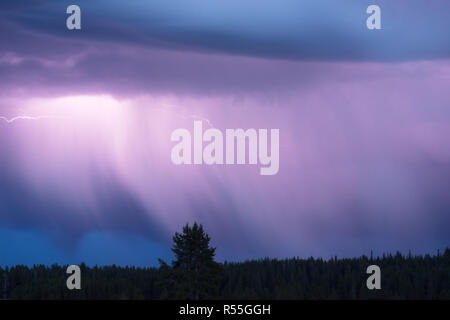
x=194, y=274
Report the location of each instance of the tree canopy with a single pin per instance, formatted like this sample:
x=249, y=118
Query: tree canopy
x=193, y=274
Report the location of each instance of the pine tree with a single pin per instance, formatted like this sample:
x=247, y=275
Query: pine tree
x=194, y=274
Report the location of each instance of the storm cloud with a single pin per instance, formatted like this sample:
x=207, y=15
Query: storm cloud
x=86, y=118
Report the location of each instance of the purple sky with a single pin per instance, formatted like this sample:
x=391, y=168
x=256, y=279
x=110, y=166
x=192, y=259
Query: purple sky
x=364, y=147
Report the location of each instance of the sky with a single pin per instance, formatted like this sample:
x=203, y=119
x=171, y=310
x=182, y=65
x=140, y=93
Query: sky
x=86, y=118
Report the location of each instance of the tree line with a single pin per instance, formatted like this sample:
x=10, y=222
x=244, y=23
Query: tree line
x=195, y=275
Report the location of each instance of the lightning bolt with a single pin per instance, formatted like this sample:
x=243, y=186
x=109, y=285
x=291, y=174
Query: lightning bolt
x=165, y=107
x=13, y=119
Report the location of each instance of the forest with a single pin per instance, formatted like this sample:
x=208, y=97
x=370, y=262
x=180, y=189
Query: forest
x=195, y=275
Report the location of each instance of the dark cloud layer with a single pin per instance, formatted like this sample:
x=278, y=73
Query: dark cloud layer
x=298, y=30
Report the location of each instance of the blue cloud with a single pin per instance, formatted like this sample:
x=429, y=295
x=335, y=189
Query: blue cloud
x=299, y=30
